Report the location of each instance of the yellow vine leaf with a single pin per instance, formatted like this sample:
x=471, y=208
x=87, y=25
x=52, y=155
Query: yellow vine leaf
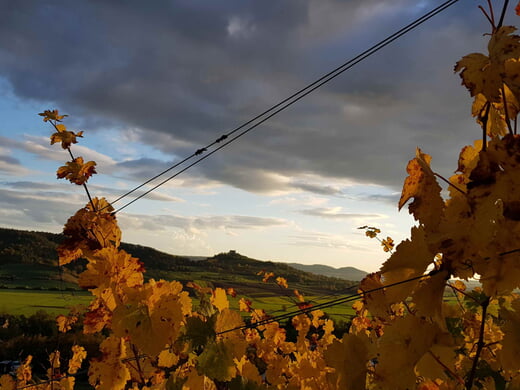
x=276, y=369
x=429, y=366
x=54, y=367
x=421, y=185
x=7, y=382
x=468, y=159
x=216, y=362
x=158, y=308
x=387, y=244
x=509, y=355
x=67, y=383
x=88, y=231
x=410, y=259
x=274, y=340
x=512, y=74
x=248, y=370
x=349, y=357
x=78, y=355
x=486, y=74
x=493, y=117
x=198, y=382
x=167, y=358
x=245, y=305
x=65, y=323
x=51, y=115
x=77, y=171
x=493, y=227
x=282, y=282
x=110, y=373
x=24, y=372
x=302, y=324
x=111, y=268
x=429, y=297
x=267, y=276
x=64, y=136
x=219, y=299
x=412, y=337
x=234, y=341
x=97, y=317
x=376, y=302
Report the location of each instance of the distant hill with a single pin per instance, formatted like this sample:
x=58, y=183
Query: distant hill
x=347, y=273
x=18, y=248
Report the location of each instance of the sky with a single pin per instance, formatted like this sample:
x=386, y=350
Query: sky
x=150, y=83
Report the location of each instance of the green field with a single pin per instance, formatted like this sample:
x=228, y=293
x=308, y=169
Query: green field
x=26, y=302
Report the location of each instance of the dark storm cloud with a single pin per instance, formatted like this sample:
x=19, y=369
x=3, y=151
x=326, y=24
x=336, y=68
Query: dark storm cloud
x=183, y=72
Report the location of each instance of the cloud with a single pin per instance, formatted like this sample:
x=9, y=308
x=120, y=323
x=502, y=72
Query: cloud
x=59, y=189
x=201, y=223
x=336, y=213
x=12, y=166
x=39, y=147
x=37, y=211
x=391, y=199
x=319, y=189
x=322, y=240
x=152, y=68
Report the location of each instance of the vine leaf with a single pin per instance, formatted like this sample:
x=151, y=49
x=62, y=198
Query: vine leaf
x=64, y=136
x=216, y=362
x=110, y=373
x=53, y=115
x=410, y=259
x=348, y=357
x=412, y=337
x=219, y=299
x=486, y=75
x=509, y=355
x=77, y=171
x=423, y=187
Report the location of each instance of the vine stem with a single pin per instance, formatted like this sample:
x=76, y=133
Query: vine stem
x=438, y=360
x=508, y=121
x=462, y=292
x=449, y=183
x=139, y=370
x=503, y=14
x=484, y=126
x=53, y=123
x=480, y=345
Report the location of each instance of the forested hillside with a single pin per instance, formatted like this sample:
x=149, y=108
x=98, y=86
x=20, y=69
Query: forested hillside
x=19, y=248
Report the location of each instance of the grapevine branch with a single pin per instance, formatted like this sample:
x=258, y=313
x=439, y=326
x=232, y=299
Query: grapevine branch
x=508, y=121
x=138, y=363
x=480, y=345
x=53, y=123
x=501, y=21
x=453, y=374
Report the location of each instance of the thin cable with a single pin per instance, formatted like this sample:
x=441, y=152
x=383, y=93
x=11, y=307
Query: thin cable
x=267, y=321
x=275, y=109
x=331, y=303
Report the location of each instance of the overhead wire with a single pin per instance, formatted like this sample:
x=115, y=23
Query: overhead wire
x=281, y=106
x=324, y=305
x=331, y=303
x=269, y=320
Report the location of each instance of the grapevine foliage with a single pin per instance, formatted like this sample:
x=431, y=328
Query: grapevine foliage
x=404, y=336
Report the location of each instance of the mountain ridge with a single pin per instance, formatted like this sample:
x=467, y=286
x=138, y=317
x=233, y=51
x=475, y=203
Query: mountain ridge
x=231, y=269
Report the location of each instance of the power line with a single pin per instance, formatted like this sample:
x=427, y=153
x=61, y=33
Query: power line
x=324, y=305
x=275, y=109
x=267, y=321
